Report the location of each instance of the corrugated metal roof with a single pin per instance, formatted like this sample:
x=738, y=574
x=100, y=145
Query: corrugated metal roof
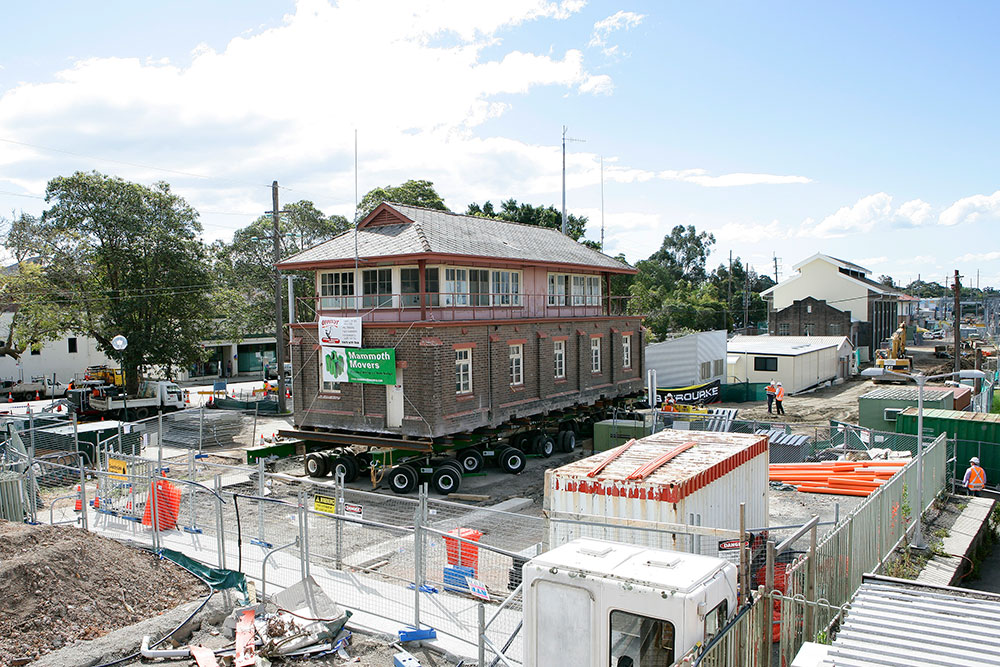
x=907, y=394
x=429, y=231
x=784, y=345
x=890, y=624
x=710, y=449
x=960, y=415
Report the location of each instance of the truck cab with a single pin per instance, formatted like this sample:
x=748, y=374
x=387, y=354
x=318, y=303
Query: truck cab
x=592, y=603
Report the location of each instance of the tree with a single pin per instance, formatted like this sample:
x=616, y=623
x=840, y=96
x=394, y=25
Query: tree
x=746, y=283
x=29, y=300
x=887, y=281
x=542, y=216
x=414, y=193
x=127, y=261
x=244, y=297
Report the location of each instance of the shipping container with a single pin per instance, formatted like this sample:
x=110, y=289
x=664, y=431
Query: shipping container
x=702, y=485
x=613, y=432
x=977, y=434
x=878, y=409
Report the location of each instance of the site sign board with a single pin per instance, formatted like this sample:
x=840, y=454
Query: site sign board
x=340, y=331
x=364, y=365
x=324, y=503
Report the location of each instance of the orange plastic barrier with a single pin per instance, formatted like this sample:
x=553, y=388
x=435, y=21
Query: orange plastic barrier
x=168, y=505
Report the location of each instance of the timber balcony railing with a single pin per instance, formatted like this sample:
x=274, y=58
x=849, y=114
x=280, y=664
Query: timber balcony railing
x=453, y=307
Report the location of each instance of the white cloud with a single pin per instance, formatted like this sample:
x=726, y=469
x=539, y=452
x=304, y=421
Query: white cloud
x=970, y=209
x=979, y=256
x=620, y=20
x=860, y=217
x=701, y=177
x=915, y=212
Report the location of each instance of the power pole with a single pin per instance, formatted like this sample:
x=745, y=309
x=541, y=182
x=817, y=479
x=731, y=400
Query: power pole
x=565, y=228
x=775, y=269
x=746, y=299
x=602, y=204
x=729, y=290
x=957, y=316
x=279, y=338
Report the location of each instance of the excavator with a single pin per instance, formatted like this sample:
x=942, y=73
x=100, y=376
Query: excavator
x=893, y=357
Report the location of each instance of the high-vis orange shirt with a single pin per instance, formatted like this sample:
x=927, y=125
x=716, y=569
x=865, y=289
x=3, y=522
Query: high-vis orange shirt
x=781, y=394
x=976, y=478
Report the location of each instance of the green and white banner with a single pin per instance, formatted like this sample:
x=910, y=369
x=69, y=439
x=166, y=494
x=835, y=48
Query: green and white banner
x=367, y=365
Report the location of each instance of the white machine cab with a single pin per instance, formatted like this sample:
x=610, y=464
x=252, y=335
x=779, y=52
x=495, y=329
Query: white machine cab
x=591, y=603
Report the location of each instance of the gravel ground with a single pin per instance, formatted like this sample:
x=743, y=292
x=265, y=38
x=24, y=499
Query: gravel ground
x=59, y=584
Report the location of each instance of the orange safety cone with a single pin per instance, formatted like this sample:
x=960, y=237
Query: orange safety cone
x=10, y=397
x=59, y=408
x=78, y=507
x=288, y=393
x=261, y=439
x=36, y=396
x=97, y=502
x=187, y=396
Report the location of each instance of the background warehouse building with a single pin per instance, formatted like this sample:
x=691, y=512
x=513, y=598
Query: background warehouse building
x=490, y=321
x=690, y=359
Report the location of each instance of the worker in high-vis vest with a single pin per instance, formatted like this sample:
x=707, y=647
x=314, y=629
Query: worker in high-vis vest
x=779, y=398
x=975, y=477
x=770, y=390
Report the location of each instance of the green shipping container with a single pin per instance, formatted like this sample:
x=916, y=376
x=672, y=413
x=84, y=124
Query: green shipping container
x=878, y=404
x=977, y=434
x=613, y=432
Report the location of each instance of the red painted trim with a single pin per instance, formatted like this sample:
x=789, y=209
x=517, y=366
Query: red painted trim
x=462, y=346
x=598, y=335
x=430, y=341
x=541, y=334
x=628, y=333
x=464, y=398
x=480, y=323
x=555, y=338
x=494, y=338
x=517, y=341
x=447, y=259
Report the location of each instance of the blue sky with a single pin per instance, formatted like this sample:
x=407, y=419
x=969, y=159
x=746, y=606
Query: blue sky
x=866, y=130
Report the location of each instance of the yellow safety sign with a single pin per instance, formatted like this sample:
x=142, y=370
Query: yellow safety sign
x=117, y=468
x=327, y=504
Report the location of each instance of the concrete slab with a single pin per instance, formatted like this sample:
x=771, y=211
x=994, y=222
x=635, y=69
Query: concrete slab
x=943, y=570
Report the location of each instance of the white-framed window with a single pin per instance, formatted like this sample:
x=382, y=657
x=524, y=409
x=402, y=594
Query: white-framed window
x=409, y=286
x=835, y=329
x=456, y=287
x=718, y=367
x=506, y=288
x=463, y=370
x=627, y=351
x=809, y=328
x=595, y=355
x=784, y=329
x=479, y=287
x=557, y=289
x=517, y=364
x=705, y=370
x=593, y=290
x=377, y=287
x=336, y=290
x=579, y=290
x=559, y=359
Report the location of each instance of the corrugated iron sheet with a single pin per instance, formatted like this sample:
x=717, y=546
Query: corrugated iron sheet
x=899, y=625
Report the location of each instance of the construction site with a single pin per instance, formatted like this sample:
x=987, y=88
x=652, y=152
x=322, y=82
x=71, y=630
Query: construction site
x=492, y=477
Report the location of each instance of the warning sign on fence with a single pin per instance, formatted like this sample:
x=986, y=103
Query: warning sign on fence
x=117, y=468
x=326, y=504
x=353, y=509
x=478, y=589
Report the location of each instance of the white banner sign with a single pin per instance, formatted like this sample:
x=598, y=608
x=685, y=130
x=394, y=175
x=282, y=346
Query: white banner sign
x=340, y=331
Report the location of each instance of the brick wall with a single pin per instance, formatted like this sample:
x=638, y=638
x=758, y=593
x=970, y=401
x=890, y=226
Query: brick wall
x=425, y=356
x=810, y=311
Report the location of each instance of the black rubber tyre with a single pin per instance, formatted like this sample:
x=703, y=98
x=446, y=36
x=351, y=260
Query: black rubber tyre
x=569, y=441
x=364, y=460
x=403, y=479
x=315, y=465
x=141, y=413
x=512, y=460
x=344, y=464
x=446, y=479
x=546, y=446
x=521, y=441
x=471, y=460
x=561, y=441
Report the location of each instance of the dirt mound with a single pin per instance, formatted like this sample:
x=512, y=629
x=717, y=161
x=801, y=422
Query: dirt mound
x=60, y=583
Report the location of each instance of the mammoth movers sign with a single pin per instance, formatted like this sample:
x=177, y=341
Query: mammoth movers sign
x=366, y=365
x=710, y=392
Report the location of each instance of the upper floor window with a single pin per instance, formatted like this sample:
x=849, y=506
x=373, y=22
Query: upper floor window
x=593, y=290
x=506, y=288
x=463, y=370
x=456, y=287
x=479, y=287
x=377, y=286
x=579, y=290
x=336, y=290
x=574, y=289
x=595, y=355
x=557, y=289
x=627, y=351
x=409, y=286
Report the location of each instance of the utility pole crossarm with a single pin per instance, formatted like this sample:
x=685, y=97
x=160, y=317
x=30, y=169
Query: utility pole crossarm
x=565, y=228
x=279, y=338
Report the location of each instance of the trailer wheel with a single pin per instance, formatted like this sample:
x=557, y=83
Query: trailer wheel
x=344, y=465
x=519, y=440
x=545, y=445
x=364, y=460
x=512, y=460
x=446, y=479
x=315, y=465
x=141, y=413
x=568, y=442
x=403, y=479
x=471, y=460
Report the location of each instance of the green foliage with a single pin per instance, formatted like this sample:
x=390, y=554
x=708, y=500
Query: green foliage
x=126, y=260
x=35, y=311
x=414, y=193
x=743, y=283
x=244, y=299
x=542, y=216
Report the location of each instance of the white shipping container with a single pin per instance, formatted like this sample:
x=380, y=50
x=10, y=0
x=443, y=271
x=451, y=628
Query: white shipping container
x=702, y=485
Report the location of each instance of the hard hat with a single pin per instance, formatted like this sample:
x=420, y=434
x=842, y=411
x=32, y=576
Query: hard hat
x=974, y=460
x=779, y=384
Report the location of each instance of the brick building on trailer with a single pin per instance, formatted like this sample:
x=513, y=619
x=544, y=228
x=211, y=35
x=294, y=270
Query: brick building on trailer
x=490, y=321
